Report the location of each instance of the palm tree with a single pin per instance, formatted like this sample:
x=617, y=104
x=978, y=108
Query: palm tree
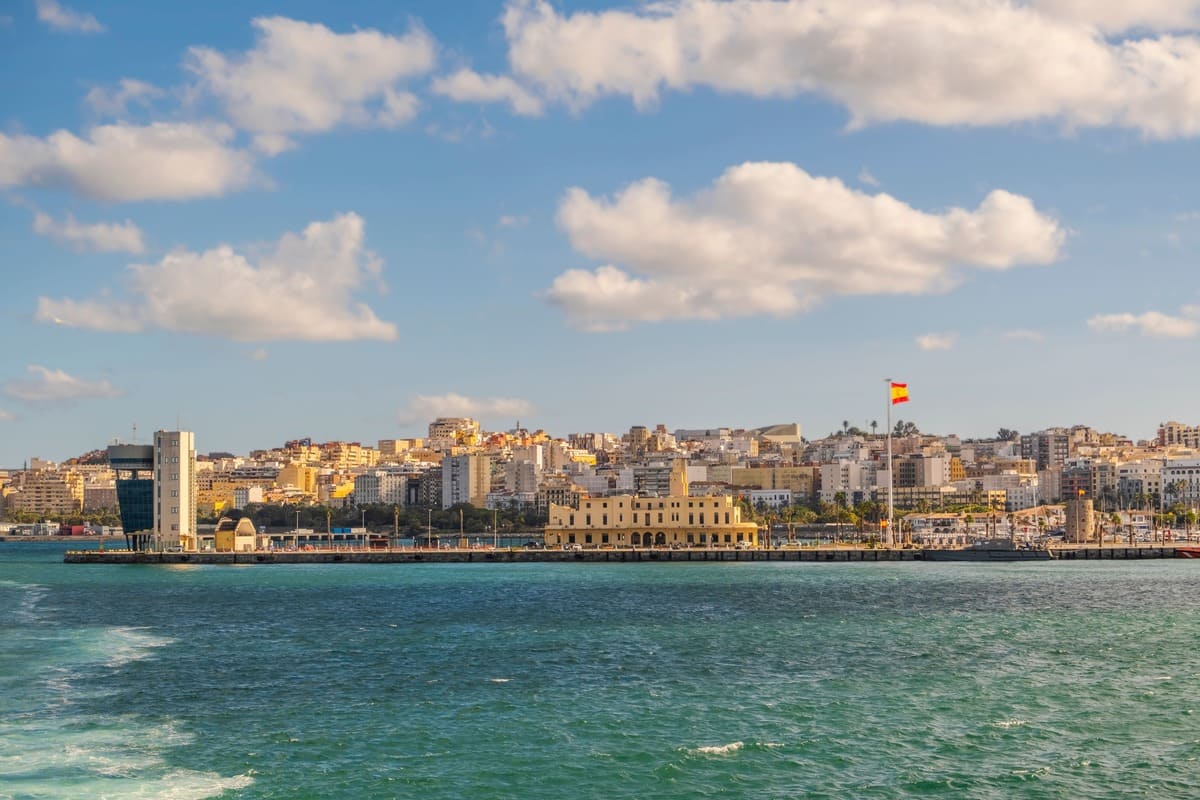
x=874, y=427
x=845, y=426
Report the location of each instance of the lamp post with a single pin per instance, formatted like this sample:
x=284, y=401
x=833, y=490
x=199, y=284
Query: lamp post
x=364, y=528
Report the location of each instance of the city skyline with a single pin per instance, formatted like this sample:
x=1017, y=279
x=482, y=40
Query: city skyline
x=275, y=220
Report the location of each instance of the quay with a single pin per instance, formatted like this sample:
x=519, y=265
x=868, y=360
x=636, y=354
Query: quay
x=610, y=556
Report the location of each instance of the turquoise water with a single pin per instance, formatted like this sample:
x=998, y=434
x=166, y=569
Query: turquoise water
x=1047, y=680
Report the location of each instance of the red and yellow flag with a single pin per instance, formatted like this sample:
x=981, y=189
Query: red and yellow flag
x=899, y=393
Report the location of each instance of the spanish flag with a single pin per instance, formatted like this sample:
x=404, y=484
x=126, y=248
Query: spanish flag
x=899, y=393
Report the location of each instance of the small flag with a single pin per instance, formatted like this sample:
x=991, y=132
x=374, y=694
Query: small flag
x=899, y=393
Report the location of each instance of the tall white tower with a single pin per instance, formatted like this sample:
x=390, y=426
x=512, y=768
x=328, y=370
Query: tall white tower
x=175, y=489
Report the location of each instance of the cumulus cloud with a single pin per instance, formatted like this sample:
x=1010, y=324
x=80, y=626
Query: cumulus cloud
x=97, y=237
x=302, y=288
x=47, y=385
x=114, y=102
x=428, y=407
x=61, y=18
x=937, y=341
x=301, y=77
x=467, y=85
x=1152, y=323
x=768, y=238
x=160, y=161
x=937, y=62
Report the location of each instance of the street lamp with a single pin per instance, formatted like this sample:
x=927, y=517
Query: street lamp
x=364, y=528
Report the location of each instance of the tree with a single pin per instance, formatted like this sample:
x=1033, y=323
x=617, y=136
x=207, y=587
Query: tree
x=874, y=427
x=845, y=426
x=1006, y=434
x=902, y=429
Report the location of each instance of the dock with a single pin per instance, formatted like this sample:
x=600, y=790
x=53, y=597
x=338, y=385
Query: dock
x=613, y=556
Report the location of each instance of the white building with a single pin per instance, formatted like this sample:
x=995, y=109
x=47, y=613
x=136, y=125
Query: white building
x=175, y=489
x=466, y=479
x=770, y=498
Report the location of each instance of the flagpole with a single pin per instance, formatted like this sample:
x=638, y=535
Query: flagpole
x=891, y=480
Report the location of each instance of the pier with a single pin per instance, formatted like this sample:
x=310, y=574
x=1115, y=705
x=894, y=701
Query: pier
x=611, y=556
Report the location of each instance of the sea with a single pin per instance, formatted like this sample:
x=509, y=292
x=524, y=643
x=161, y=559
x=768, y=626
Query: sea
x=730, y=680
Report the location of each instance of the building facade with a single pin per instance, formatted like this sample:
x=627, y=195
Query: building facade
x=624, y=521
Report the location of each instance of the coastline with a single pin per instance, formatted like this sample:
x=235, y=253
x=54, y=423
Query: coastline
x=615, y=556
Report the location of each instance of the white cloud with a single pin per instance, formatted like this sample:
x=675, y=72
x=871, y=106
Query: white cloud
x=1116, y=16
x=60, y=18
x=428, y=407
x=115, y=102
x=161, y=161
x=867, y=179
x=1023, y=334
x=301, y=77
x=1152, y=323
x=512, y=221
x=259, y=355
x=770, y=238
x=54, y=385
x=91, y=238
x=469, y=86
x=938, y=62
x=301, y=288
x=937, y=341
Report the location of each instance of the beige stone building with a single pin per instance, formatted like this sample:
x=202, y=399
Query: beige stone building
x=624, y=521
x=49, y=493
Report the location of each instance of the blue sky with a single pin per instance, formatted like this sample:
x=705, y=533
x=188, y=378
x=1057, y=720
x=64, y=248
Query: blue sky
x=265, y=221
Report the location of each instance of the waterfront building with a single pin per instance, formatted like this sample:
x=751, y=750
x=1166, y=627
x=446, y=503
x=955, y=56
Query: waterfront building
x=134, y=468
x=239, y=537
x=671, y=521
x=175, y=489
x=1081, y=519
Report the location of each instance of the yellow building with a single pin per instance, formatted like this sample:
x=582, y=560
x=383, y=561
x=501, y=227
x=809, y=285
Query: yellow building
x=628, y=521
x=235, y=538
x=300, y=477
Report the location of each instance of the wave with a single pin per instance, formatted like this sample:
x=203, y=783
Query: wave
x=1009, y=723
x=101, y=756
x=718, y=750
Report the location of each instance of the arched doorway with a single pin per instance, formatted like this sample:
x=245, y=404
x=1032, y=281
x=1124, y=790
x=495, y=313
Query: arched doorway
x=635, y=539
x=660, y=540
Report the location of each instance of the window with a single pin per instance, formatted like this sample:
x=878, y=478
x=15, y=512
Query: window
x=604, y=538
x=701, y=517
x=587, y=539
x=174, y=509
x=587, y=519
x=691, y=519
x=604, y=520
x=659, y=515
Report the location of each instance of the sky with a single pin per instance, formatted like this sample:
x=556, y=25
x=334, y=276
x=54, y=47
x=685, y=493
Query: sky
x=263, y=221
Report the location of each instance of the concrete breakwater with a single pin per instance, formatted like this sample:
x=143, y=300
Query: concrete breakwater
x=522, y=556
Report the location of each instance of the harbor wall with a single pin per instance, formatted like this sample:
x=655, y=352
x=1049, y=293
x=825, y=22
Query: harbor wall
x=519, y=556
